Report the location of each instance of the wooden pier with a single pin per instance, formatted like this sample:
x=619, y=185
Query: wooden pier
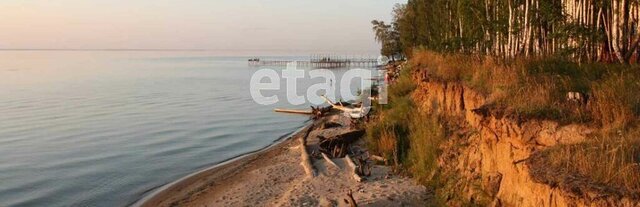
x=321, y=61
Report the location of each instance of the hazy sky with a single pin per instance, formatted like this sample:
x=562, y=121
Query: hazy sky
x=327, y=25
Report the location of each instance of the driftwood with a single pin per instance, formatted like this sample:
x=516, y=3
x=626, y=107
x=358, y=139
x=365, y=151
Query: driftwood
x=331, y=124
x=337, y=145
x=340, y=106
x=305, y=158
x=345, y=135
x=319, y=112
x=316, y=112
x=354, y=111
x=342, y=150
x=355, y=168
x=378, y=158
x=293, y=111
x=329, y=160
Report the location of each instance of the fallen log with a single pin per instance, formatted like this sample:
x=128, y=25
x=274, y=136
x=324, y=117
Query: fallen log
x=317, y=112
x=378, y=158
x=329, y=160
x=354, y=167
x=321, y=110
x=329, y=125
x=351, y=111
x=306, y=161
x=294, y=111
x=337, y=106
x=336, y=142
x=342, y=133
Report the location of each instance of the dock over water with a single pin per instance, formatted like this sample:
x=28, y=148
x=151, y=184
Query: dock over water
x=321, y=61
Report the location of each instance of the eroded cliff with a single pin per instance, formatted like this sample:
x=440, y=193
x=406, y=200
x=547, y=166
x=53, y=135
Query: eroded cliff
x=489, y=159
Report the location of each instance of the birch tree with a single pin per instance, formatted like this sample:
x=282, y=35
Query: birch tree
x=583, y=30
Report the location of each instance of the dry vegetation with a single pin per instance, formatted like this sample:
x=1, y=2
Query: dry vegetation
x=404, y=136
x=611, y=160
x=538, y=88
x=523, y=89
x=388, y=133
x=409, y=139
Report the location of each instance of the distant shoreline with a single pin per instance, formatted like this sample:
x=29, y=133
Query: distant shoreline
x=53, y=49
x=292, y=51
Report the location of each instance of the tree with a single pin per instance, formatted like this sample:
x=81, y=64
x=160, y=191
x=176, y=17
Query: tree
x=582, y=30
x=388, y=37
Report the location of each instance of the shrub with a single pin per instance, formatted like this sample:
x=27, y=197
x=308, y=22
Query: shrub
x=426, y=135
x=387, y=135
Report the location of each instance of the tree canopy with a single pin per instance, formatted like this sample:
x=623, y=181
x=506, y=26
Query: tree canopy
x=388, y=37
x=582, y=30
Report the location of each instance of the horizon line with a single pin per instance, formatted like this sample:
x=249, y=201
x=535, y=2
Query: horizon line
x=153, y=49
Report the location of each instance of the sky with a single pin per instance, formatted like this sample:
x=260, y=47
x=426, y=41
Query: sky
x=327, y=25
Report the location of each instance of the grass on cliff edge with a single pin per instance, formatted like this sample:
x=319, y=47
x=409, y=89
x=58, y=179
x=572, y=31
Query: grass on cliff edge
x=611, y=159
x=537, y=88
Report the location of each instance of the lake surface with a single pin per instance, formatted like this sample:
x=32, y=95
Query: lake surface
x=92, y=128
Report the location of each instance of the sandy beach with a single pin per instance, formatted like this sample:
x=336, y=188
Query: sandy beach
x=275, y=177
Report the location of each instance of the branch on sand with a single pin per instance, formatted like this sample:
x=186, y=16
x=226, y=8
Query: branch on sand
x=354, y=167
x=329, y=160
x=305, y=158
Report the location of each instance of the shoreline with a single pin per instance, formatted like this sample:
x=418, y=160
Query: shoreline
x=291, y=173
x=168, y=190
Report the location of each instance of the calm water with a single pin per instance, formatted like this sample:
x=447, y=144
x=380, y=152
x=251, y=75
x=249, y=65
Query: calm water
x=104, y=128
